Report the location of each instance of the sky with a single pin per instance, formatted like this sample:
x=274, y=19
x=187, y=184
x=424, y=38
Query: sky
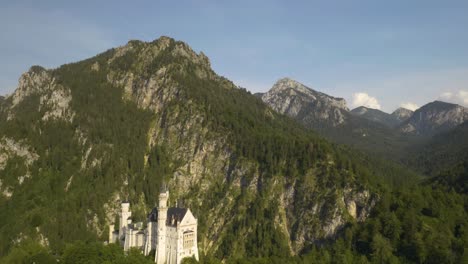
x=380, y=54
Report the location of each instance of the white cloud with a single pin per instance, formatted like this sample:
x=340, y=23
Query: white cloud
x=363, y=99
x=446, y=96
x=457, y=97
x=420, y=87
x=410, y=106
x=463, y=97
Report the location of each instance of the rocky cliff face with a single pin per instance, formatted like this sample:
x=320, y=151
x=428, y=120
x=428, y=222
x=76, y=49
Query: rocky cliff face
x=376, y=116
x=115, y=126
x=435, y=117
x=402, y=114
x=54, y=98
x=300, y=102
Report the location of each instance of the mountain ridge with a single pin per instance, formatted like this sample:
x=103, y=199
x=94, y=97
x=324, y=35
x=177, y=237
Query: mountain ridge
x=337, y=123
x=435, y=117
x=376, y=115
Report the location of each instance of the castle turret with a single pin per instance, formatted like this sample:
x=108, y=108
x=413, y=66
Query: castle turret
x=160, y=256
x=111, y=233
x=125, y=214
x=151, y=232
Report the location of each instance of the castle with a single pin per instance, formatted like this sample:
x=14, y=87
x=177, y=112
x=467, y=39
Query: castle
x=170, y=232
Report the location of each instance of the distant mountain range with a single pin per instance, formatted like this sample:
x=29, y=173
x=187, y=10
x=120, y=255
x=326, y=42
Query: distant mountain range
x=390, y=120
x=369, y=129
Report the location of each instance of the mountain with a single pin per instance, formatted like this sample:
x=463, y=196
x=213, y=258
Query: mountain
x=329, y=116
x=76, y=140
x=294, y=99
x=402, y=114
x=376, y=115
x=434, y=118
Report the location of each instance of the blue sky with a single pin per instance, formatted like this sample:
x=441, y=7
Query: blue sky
x=377, y=53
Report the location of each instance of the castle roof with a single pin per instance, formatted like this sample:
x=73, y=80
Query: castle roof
x=153, y=216
x=175, y=212
x=175, y=215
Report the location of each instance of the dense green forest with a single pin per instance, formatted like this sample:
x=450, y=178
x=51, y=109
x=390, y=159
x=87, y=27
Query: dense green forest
x=103, y=151
x=443, y=152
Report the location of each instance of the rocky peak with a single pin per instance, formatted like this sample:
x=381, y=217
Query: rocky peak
x=179, y=48
x=54, y=99
x=293, y=87
x=294, y=99
x=435, y=117
x=34, y=80
x=287, y=83
x=402, y=114
x=150, y=71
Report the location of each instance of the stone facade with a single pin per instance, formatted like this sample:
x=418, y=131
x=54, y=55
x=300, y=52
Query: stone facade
x=171, y=232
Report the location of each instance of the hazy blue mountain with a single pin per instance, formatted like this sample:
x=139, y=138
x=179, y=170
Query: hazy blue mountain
x=330, y=117
x=435, y=117
x=376, y=115
x=402, y=114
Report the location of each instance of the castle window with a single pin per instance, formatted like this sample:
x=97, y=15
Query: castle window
x=189, y=237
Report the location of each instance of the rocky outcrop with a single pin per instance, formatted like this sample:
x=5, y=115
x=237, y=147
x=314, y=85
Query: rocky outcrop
x=36, y=80
x=11, y=150
x=56, y=105
x=54, y=98
x=434, y=118
x=335, y=209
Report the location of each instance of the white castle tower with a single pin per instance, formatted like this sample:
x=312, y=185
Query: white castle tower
x=125, y=214
x=160, y=256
